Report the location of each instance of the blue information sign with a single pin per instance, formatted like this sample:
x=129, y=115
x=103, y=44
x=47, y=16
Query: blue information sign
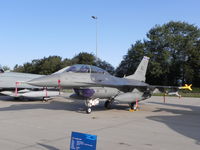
x=82, y=141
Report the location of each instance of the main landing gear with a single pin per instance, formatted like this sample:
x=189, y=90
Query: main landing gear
x=134, y=106
x=45, y=99
x=108, y=103
x=88, y=110
x=89, y=103
x=93, y=102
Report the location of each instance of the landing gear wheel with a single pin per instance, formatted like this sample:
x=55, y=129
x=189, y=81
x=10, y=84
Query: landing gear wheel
x=44, y=99
x=88, y=110
x=16, y=98
x=107, y=104
x=132, y=106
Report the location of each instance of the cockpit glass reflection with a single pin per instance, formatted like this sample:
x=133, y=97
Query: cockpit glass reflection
x=79, y=68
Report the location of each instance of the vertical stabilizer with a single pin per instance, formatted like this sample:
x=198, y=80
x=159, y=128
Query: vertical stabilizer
x=140, y=72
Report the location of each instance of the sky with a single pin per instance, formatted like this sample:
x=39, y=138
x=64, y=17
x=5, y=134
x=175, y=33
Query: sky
x=33, y=29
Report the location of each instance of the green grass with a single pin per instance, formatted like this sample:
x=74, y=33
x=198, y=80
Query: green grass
x=68, y=90
x=194, y=93
x=182, y=94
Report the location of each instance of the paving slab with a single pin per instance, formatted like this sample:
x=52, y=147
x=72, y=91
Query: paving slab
x=31, y=125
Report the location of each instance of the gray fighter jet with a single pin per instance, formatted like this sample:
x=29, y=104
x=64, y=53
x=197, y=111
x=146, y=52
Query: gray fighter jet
x=91, y=83
x=14, y=84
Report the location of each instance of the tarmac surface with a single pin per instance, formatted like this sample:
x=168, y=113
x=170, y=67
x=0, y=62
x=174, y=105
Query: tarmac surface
x=34, y=125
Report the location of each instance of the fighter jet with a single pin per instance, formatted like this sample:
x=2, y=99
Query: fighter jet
x=13, y=84
x=91, y=84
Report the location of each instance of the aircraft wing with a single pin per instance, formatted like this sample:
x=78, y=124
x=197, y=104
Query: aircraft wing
x=122, y=86
x=32, y=94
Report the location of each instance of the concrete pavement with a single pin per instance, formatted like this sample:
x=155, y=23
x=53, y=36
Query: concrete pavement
x=31, y=125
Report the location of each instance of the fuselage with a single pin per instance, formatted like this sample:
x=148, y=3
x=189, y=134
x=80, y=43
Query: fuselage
x=73, y=80
x=95, y=84
x=8, y=80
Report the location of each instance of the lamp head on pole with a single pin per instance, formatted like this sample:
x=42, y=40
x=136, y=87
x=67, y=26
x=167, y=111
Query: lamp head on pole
x=94, y=17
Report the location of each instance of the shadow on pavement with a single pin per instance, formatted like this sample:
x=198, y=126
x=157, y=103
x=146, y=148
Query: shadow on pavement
x=69, y=105
x=48, y=146
x=185, y=122
x=19, y=99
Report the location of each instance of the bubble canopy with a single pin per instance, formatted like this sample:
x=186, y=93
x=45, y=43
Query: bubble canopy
x=81, y=68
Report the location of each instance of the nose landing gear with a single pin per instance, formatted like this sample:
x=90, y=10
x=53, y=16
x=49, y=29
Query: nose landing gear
x=88, y=110
x=89, y=103
x=134, y=106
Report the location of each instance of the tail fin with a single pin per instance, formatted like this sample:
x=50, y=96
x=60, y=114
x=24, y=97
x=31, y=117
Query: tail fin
x=140, y=73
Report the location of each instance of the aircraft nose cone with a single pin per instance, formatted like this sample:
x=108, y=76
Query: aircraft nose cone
x=47, y=81
x=36, y=82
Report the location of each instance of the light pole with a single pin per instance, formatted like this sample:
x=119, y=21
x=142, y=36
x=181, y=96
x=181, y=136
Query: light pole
x=95, y=17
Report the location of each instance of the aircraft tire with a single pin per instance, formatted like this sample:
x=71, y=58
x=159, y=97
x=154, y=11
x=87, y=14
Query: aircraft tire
x=88, y=110
x=132, y=105
x=16, y=98
x=107, y=104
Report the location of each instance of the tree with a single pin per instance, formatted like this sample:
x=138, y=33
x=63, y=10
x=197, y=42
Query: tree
x=83, y=58
x=41, y=66
x=131, y=60
x=6, y=68
x=52, y=64
x=173, y=49
x=105, y=65
x=195, y=62
x=86, y=58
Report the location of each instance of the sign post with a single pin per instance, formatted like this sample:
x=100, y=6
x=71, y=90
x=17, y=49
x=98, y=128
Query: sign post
x=82, y=141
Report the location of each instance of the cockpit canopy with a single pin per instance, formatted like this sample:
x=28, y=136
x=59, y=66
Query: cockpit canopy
x=81, y=68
